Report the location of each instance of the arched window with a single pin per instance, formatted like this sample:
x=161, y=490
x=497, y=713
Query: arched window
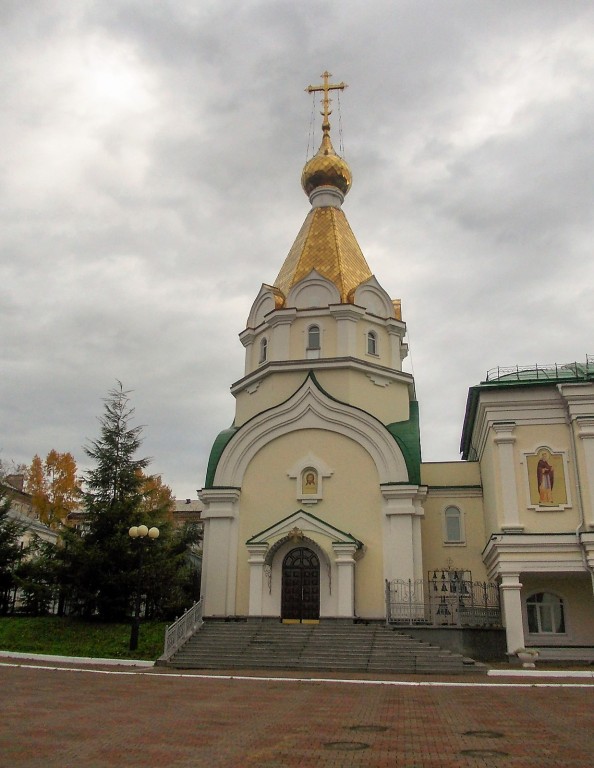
x=313, y=337
x=372, y=343
x=453, y=528
x=263, y=350
x=545, y=613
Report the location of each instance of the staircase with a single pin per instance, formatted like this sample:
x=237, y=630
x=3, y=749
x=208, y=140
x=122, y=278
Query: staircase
x=325, y=647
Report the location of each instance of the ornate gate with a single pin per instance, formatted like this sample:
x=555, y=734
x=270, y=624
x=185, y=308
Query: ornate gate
x=300, y=599
x=448, y=598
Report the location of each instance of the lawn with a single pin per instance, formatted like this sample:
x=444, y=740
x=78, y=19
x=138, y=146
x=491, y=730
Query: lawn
x=73, y=637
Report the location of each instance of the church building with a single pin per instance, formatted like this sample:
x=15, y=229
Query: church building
x=317, y=505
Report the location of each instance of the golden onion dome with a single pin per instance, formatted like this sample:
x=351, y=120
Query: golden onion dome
x=326, y=169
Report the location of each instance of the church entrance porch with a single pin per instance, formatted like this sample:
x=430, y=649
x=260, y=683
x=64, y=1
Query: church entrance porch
x=301, y=569
x=300, y=591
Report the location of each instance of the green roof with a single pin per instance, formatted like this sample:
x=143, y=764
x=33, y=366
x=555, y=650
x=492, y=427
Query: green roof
x=408, y=436
x=520, y=376
x=217, y=449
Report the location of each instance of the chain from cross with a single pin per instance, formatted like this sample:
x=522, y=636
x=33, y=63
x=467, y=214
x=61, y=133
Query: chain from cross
x=326, y=87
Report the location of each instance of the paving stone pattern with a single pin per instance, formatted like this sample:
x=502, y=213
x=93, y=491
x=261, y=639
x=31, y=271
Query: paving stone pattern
x=53, y=717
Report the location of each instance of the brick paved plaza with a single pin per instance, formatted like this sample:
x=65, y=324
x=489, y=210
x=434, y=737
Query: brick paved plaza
x=53, y=715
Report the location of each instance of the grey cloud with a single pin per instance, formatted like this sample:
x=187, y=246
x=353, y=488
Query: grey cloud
x=137, y=225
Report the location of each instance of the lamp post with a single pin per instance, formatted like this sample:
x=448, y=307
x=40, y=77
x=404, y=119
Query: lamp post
x=139, y=532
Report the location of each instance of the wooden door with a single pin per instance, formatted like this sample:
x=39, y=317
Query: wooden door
x=301, y=586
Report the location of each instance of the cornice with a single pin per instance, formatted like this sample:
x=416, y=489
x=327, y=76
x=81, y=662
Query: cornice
x=457, y=491
x=532, y=553
x=322, y=364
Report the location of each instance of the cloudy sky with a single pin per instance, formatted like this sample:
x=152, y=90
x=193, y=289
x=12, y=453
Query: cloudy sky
x=149, y=183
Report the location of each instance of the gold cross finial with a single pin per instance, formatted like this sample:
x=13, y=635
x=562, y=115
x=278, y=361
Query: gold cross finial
x=325, y=87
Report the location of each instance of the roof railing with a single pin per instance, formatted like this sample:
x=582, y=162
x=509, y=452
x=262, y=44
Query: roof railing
x=538, y=372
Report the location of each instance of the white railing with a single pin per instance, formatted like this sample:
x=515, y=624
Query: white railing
x=181, y=629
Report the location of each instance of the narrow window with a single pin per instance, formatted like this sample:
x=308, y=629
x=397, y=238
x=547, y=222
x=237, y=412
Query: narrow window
x=263, y=350
x=545, y=614
x=313, y=337
x=372, y=343
x=453, y=526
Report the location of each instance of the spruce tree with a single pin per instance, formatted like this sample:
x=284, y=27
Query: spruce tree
x=107, y=563
x=11, y=552
x=117, y=476
x=99, y=567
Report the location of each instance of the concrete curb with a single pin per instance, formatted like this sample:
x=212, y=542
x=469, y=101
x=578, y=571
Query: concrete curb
x=539, y=673
x=526, y=673
x=77, y=659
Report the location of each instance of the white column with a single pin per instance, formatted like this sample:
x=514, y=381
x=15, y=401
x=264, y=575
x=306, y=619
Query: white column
x=345, y=577
x=512, y=611
x=399, y=350
x=256, y=560
x=504, y=440
x=219, y=562
x=247, y=339
x=417, y=544
x=586, y=435
x=346, y=329
x=280, y=324
x=402, y=508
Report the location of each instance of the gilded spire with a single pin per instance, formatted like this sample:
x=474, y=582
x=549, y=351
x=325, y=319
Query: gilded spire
x=326, y=242
x=326, y=168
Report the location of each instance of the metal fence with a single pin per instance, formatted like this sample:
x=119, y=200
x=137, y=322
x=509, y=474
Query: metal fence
x=439, y=602
x=182, y=629
x=547, y=371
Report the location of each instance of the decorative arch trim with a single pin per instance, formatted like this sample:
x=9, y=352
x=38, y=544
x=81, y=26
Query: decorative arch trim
x=303, y=521
x=268, y=299
x=311, y=408
x=374, y=298
x=315, y=290
x=305, y=541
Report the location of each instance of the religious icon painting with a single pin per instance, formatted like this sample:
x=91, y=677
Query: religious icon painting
x=309, y=474
x=546, y=479
x=309, y=480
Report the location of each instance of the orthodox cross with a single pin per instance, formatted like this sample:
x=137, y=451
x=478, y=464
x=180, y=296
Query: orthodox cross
x=325, y=87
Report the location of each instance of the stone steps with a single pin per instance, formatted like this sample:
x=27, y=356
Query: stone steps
x=328, y=646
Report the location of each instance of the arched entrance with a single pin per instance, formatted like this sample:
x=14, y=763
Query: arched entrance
x=300, y=596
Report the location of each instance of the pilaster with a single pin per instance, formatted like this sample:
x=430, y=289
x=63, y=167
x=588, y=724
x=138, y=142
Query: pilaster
x=399, y=351
x=280, y=324
x=219, y=566
x=247, y=338
x=402, y=511
x=505, y=440
x=586, y=435
x=257, y=561
x=346, y=328
x=345, y=577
